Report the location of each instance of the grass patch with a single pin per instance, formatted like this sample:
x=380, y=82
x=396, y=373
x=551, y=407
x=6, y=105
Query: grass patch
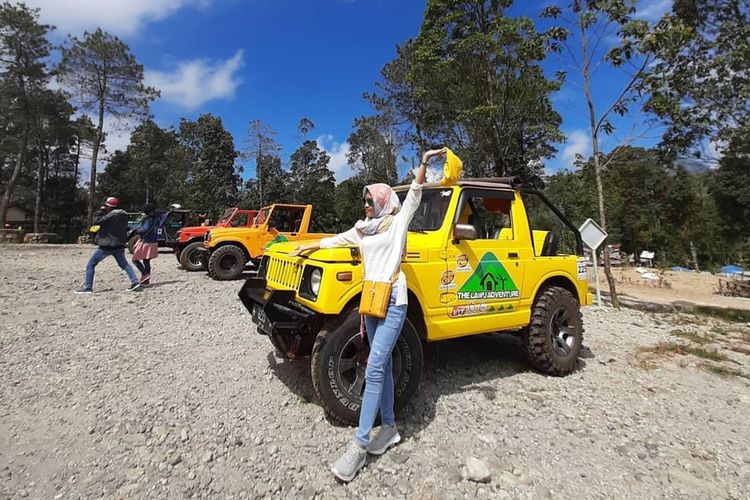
x=722, y=370
x=692, y=336
x=702, y=353
x=725, y=313
x=720, y=330
x=667, y=348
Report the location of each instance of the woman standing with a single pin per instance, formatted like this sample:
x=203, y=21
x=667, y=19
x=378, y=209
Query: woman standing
x=147, y=247
x=381, y=238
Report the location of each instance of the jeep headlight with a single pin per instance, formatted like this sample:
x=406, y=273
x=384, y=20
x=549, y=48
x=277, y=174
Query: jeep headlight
x=309, y=287
x=315, y=278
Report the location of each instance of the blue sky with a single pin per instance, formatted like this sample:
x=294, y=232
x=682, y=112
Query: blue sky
x=281, y=60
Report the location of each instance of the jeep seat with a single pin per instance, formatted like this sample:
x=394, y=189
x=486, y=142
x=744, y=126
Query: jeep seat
x=545, y=243
x=549, y=247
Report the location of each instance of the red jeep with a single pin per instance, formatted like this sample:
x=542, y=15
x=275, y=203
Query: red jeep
x=189, y=249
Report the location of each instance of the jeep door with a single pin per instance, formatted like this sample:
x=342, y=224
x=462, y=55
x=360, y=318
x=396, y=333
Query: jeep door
x=485, y=275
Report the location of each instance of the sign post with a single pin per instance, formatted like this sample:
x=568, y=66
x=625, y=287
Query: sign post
x=593, y=236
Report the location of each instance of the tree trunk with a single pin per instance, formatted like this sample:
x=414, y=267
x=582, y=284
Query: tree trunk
x=78, y=158
x=94, y=157
x=597, y=163
x=694, y=255
x=39, y=185
x=5, y=203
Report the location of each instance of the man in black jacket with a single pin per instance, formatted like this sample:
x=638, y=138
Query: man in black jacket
x=110, y=240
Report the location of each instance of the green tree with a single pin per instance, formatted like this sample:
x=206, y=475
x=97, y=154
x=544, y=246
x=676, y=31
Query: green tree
x=260, y=143
x=276, y=189
x=53, y=132
x=593, y=22
x=212, y=176
x=349, y=205
x=314, y=182
x=105, y=78
x=154, y=167
x=731, y=192
x=472, y=79
x=23, y=76
x=373, y=151
x=700, y=83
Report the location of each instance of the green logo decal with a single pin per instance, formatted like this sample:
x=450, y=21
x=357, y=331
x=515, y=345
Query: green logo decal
x=490, y=280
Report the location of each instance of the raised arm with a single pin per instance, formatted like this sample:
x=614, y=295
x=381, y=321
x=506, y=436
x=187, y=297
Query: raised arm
x=419, y=177
x=414, y=196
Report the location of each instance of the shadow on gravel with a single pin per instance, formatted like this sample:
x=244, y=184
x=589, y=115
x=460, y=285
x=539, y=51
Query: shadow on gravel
x=450, y=367
x=160, y=283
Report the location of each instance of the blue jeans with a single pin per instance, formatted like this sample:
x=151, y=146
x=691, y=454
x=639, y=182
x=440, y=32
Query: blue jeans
x=382, y=334
x=99, y=255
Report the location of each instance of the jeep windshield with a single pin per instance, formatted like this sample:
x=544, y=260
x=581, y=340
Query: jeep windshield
x=226, y=215
x=432, y=209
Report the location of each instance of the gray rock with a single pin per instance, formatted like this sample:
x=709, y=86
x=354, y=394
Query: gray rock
x=477, y=471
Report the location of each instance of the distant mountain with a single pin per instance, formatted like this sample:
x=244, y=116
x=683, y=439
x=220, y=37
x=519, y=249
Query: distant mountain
x=694, y=165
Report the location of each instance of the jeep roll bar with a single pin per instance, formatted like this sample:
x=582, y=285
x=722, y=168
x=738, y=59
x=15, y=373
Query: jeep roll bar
x=561, y=216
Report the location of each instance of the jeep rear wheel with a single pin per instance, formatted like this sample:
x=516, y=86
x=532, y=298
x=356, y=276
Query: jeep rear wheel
x=553, y=339
x=193, y=256
x=226, y=263
x=339, y=359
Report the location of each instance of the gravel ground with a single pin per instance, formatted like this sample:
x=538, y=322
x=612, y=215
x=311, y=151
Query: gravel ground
x=169, y=392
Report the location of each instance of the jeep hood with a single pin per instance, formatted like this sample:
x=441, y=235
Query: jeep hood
x=416, y=244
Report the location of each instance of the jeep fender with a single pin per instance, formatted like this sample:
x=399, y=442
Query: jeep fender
x=560, y=279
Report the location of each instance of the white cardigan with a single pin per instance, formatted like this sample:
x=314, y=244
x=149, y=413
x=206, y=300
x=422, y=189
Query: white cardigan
x=382, y=253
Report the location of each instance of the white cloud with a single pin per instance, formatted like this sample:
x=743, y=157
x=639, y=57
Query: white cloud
x=579, y=142
x=195, y=82
x=121, y=17
x=339, y=164
x=652, y=10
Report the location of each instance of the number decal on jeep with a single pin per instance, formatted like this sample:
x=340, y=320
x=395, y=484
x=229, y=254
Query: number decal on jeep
x=582, y=270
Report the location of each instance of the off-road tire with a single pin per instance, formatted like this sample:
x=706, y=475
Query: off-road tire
x=131, y=243
x=221, y=266
x=553, y=339
x=342, y=338
x=193, y=257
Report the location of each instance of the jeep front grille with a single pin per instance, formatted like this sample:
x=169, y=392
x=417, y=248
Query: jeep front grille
x=283, y=274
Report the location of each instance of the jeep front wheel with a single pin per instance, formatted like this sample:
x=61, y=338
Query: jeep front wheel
x=339, y=360
x=193, y=256
x=553, y=339
x=226, y=263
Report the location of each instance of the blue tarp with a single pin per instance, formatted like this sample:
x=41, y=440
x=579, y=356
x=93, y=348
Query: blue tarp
x=731, y=269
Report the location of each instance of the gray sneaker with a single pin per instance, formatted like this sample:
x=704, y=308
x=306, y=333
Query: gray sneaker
x=353, y=459
x=386, y=437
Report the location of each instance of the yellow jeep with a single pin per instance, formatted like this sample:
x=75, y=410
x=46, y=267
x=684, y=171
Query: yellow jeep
x=473, y=265
x=231, y=248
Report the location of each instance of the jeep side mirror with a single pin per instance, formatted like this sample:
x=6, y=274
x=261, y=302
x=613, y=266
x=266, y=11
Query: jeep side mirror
x=464, y=232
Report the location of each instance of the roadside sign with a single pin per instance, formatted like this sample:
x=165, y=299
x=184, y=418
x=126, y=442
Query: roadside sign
x=593, y=235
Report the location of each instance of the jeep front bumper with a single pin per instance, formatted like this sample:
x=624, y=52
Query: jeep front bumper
x=291, y=326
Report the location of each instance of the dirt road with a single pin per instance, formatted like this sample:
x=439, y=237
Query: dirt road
x=170, y=393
